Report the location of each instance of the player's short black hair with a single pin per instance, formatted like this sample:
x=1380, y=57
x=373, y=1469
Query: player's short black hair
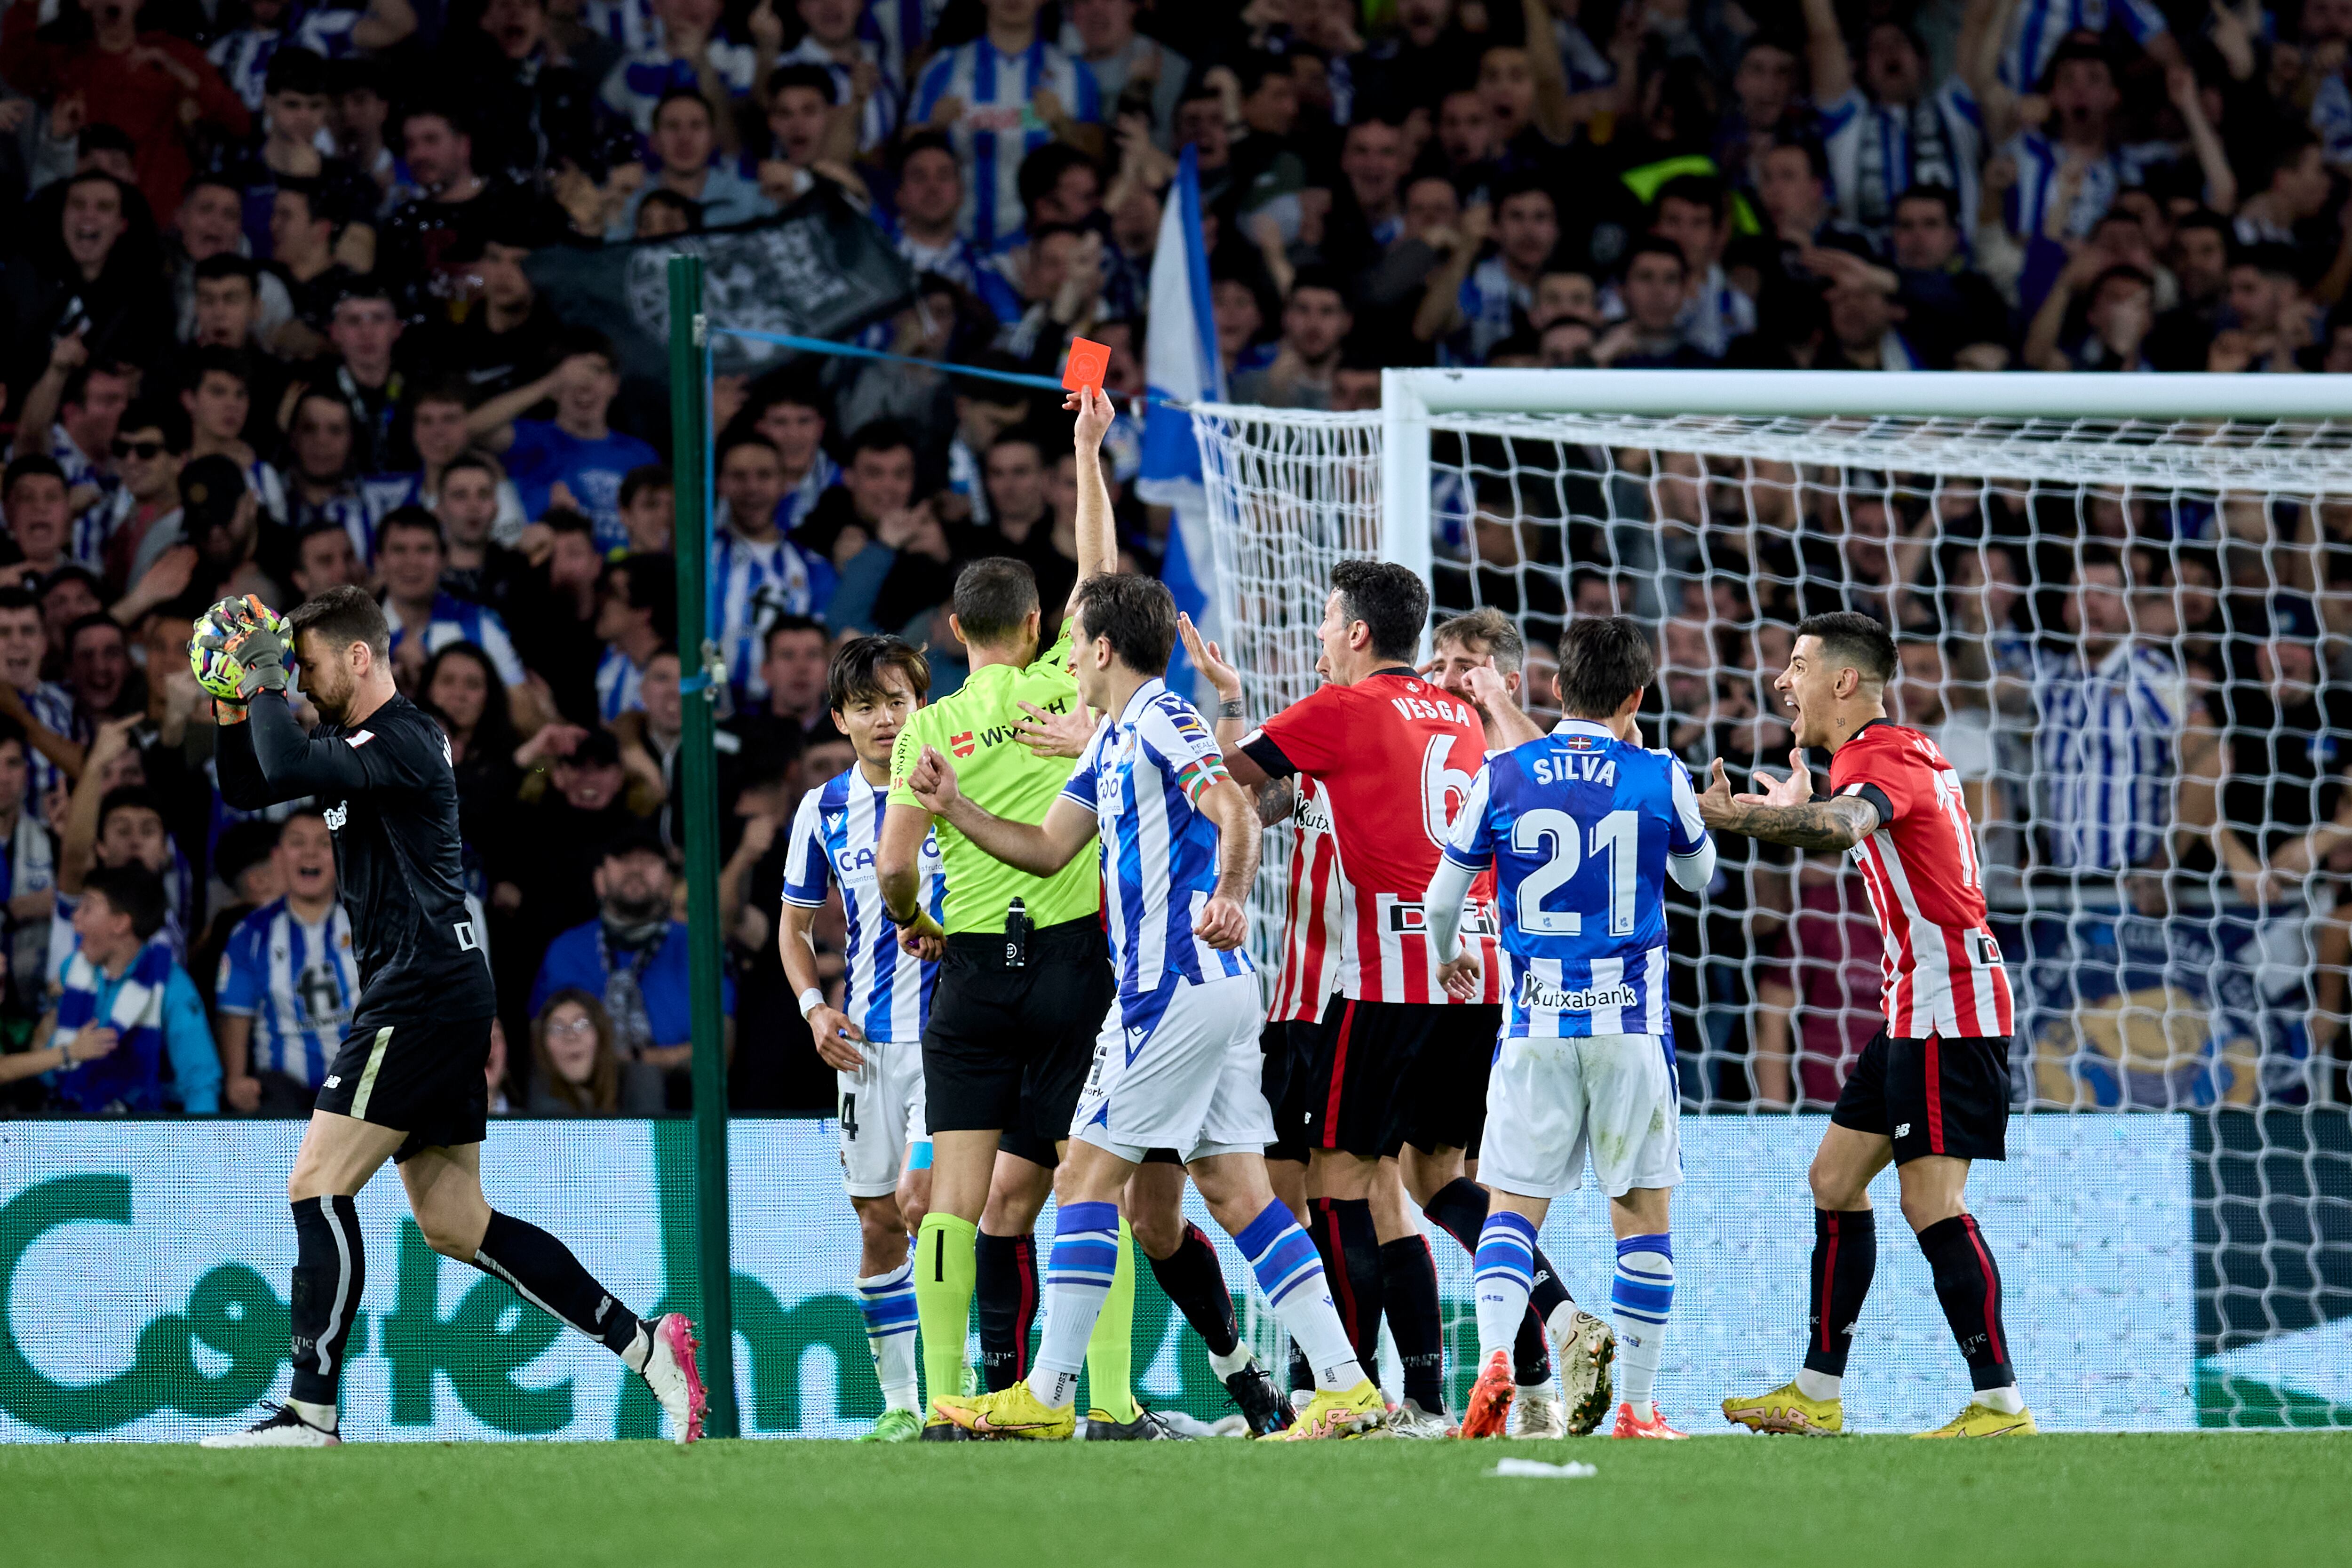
x=339, y=617
x=1389, y=600
x=1137, y=613
x=992, y=597
x=1603, y=659
x=1852, y=638
x=1491, y=628
x=857, y=670
x=132, y=890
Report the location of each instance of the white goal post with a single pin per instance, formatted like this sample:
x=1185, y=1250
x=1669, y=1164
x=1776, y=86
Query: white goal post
x=2124, y=607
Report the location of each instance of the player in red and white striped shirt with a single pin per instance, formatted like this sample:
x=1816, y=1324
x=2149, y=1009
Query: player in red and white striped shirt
x=1931, y=1091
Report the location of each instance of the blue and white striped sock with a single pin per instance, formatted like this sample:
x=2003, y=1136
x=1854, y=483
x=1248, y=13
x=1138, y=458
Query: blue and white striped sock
x=1641, y=1298
x=1502, y=1271
x=888, y=1301
x=1291, y=1275
x=1078, y=1276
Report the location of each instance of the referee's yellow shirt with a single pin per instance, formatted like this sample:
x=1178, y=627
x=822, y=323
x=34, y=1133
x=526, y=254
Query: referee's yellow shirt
x=975, y=727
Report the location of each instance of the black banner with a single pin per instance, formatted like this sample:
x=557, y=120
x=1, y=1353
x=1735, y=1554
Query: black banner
x=821, y=268
x=2273, y=1196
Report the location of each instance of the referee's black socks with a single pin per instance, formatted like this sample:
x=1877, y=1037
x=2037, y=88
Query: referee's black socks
x=329, y=1273
x=543, y=1272
x=1967, y=1283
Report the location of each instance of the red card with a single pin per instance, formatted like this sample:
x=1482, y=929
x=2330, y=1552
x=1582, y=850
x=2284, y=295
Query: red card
x=1088, y=360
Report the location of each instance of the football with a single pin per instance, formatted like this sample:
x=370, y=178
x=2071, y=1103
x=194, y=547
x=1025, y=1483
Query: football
x=209, y=655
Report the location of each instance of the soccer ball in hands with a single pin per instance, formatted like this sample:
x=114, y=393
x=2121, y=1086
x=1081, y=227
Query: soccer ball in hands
x=217, y=630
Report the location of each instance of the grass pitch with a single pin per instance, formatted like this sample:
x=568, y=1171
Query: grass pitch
x=2207, y=1498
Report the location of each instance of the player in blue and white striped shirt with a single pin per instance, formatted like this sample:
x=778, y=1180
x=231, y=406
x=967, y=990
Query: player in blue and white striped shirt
x=1583, y=828
x=995, y=80
x=289, y=977
x=1178, y=1064
x=873, y=1041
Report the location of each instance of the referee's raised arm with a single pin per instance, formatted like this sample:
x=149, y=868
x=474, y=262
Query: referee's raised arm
x=1097, y=539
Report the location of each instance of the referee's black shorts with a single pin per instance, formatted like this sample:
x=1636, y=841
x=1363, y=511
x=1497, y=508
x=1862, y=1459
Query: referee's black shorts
x=425, y=1077
x=1007, y=1050
x=1941, y=1095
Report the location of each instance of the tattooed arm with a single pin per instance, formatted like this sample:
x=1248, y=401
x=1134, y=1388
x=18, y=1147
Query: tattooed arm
x=1786, y=812
x=1277, y=802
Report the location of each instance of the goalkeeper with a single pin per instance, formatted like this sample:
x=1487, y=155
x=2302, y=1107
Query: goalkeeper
x=407, y=1085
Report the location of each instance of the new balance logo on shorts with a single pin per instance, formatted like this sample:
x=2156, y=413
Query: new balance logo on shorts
x=1903, y=1130
x=1535, y=992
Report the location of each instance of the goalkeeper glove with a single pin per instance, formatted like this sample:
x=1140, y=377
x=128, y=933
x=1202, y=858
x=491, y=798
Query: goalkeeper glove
x=250, y=644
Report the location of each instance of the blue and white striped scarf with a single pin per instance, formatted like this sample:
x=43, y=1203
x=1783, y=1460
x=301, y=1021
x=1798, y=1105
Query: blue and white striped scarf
x=128, y=1079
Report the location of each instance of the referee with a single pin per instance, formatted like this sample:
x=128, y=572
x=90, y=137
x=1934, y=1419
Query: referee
x=1026, y=978
x=407, y=1083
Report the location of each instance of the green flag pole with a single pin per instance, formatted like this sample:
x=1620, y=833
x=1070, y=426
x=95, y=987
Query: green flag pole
x=698, y=785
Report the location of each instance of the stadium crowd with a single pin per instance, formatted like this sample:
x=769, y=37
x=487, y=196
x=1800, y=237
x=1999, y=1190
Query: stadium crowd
x=268, y=323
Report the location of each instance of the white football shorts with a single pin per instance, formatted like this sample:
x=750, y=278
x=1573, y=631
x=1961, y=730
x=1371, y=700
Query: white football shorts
x=1550, y=1100
x=881, y=1108
x=1179, y=1069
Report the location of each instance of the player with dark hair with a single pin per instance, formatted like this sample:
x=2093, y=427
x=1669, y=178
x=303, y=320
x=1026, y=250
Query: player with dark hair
x=874, y=1040
x=408, y=1082
x=1177, y=1064
x=1930, y=1092
x=1398, y=1059
x=1583, y=828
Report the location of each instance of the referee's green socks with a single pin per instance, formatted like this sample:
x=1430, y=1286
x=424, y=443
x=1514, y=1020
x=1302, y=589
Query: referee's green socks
x=943, y=1279
x=1110, y=1350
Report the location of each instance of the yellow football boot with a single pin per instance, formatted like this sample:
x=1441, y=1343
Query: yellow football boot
x=1786, y=1409
x=1014, y=1413
x=1355, y=1412
x=1984, y=1421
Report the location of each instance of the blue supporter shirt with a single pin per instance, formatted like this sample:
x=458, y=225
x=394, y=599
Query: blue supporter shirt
x=297, y=982
x=543, y=453
x=1144, y=776
x=1577, y=827
x=833, y=842
x=454, y=621
x=576, y=959
x=999, y=126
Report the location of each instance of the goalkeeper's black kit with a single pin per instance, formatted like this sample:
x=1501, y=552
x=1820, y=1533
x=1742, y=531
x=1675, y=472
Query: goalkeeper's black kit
x=420, y=1034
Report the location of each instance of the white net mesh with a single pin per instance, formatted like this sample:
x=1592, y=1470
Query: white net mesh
x=2126, y=636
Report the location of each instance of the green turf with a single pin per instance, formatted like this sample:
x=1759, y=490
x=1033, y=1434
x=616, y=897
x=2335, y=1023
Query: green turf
x=2218, y=1498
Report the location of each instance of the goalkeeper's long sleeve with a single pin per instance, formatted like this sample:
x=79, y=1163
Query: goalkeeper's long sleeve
x=269, y=758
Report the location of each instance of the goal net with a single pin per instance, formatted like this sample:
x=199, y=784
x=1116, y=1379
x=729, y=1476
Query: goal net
x=2123, y=605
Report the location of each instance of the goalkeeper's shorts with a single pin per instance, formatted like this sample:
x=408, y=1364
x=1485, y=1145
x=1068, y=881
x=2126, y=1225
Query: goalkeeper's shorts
x=1935, y=1095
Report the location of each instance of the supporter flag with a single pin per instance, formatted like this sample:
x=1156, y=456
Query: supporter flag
x=1180, y=362
x=820, y=269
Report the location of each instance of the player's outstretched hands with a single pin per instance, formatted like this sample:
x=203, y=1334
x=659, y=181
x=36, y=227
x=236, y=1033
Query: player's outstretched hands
x=1093, y=407
x=834, y=1031
x=933, y=781
x=1460, y=976
x=1055, y=734
x=1223, y=925
x=1210, y=661
x=1795, y=790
